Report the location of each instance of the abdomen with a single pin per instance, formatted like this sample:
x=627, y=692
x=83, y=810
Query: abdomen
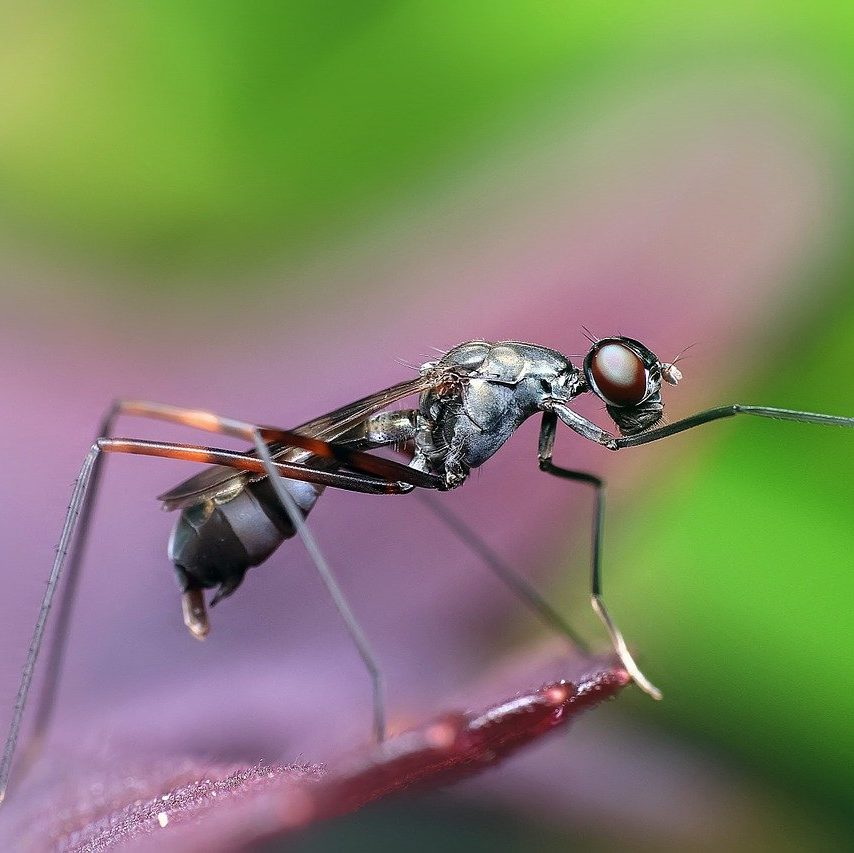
x=213, y=544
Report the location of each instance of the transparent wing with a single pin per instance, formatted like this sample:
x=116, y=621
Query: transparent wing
x=219, y=478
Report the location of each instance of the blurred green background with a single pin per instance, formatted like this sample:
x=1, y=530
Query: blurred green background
x=160, y=151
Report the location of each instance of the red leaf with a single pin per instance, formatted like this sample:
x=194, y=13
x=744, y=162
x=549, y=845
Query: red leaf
x=228, y=808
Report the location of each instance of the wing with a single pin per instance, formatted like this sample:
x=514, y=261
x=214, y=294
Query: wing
x=220, y=478
x=334, y=424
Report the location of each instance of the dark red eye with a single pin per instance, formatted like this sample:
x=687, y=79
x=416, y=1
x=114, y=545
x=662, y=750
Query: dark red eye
x=619, y=374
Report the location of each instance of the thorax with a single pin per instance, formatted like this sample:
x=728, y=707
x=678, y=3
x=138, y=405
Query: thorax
x=489, y=390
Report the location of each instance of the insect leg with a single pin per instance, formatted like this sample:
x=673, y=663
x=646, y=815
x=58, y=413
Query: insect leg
x=77, y=500
x=210, y=422
x=328, y=578
x=727, y=412
x=82, y=500
x=276, y=471
x=56, y=649
x=248, y=462
x=399, y=427
x=517, y=583
x=355, y=459
x=259, y=436
x=546, y=448
x=292, y=470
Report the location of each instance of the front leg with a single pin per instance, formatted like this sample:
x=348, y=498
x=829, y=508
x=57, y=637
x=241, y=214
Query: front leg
x=730, y=411
x=585, y=428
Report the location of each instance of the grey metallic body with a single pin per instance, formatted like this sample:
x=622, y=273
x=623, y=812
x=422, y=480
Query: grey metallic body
x=475, y=397
x=462, y=423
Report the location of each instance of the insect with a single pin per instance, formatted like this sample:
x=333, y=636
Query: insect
x=239, y=509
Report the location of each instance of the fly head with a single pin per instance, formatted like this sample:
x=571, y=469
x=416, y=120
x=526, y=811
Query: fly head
x=627, y=377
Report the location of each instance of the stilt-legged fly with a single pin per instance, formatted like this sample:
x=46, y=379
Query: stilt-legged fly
x=237, y=511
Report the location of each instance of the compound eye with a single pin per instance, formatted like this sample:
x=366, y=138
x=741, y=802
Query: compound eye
x=619, y=374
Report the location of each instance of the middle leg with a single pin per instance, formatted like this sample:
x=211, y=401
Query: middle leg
x=518, y=584
x=546, y=448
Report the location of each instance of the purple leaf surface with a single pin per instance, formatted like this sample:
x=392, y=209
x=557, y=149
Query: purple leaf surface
x=220, y=807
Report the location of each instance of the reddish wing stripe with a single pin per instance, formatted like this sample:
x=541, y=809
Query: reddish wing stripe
x=355, y=459
x=329, y=427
